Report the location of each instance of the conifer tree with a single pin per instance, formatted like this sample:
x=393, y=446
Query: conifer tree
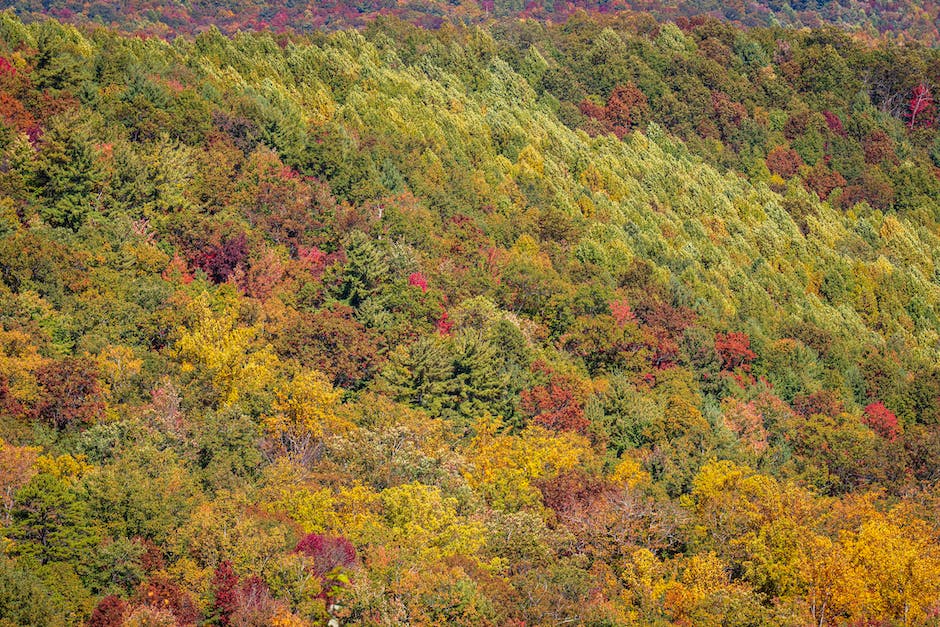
x=50, y=523
x=420, y=374
x=477, y=382
x=66, y=174
x=366, y=267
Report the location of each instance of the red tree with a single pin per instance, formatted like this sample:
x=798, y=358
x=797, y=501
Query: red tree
x=735, y=352
x=622, y=312
x=556, y=405
x=882, y=421
x=834, y=123
x=108, y=613
x=326, y=552
x=417, y=279
x=261, y=277
x=225, y=592
x=6, y=68
x=220, y=260
x=920, y=104
x=874, y=188
x=444, y=325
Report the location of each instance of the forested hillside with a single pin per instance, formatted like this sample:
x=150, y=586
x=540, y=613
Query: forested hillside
x=605, y=322
x=894, y=20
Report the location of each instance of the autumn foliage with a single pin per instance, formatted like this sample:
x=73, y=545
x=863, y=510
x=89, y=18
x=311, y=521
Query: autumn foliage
x=71, y=392
x=596, y=317
x=921, y=107
x=784, y=161
x=881, y=420
x=327, y=552
x=556, y=405
x=224, y=592
x=110, y=611
x=734, y=350
x=626, y=108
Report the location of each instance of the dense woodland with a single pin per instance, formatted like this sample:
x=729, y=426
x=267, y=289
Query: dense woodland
x=894, y=20
x=607, y=321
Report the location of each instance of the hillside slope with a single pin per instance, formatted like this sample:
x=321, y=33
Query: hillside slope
x=370, y=325
x=901, y=21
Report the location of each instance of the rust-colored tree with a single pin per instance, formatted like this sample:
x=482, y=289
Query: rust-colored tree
x=879, y=148
x=556, y=405
x=784, y=162
x=160, y=593
x=626, y=108
x=823, y=402
x=822, y=180
x=71, y=392
x=334, y=342
x=735, y=352
x=109, y=612
x=571, y=490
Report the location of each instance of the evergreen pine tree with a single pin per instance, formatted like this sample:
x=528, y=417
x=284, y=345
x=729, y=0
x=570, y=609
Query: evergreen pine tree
x=50, y=523
x=365, y=269
x=66, y=174
x=478, y=382
x=421, y=374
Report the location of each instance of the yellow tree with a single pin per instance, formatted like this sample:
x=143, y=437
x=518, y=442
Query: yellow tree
x=835, y=587
x=304, y=413
x=730, y=501
x=899, y=555
x=19, y=360
x=503, y=467
x=118, y=366
x=705, y=594
x=224, y=354
x=17, y=467
x=424, y=522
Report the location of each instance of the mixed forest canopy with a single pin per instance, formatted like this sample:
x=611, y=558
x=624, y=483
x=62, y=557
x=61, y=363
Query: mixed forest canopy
x=895, y=20
x=603, y=320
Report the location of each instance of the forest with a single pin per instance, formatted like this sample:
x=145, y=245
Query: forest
x=900, y=21
x=609, y=319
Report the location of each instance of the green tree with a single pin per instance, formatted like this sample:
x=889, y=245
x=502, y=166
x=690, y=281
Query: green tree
x=24, y=599
x=419, y=374
x=66, y=173
x=365, y=269
x=477, y=383
x=50, y=523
